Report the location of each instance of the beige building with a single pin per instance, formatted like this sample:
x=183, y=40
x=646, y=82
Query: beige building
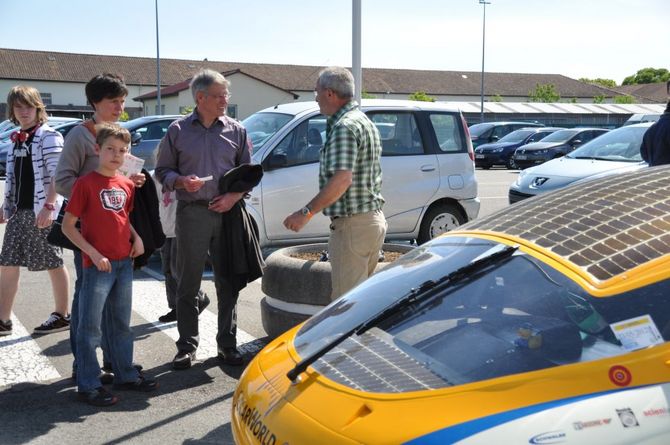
x=60, y=78
x=249, y=94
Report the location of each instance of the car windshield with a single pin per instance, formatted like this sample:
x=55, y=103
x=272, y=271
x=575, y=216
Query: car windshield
x=622, y=144
x=478, y=129
x=560, y=136
x=517, y=315
x=517, y=136
x=262, y=126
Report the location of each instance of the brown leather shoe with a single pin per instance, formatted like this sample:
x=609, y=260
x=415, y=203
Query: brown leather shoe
x=231, y=356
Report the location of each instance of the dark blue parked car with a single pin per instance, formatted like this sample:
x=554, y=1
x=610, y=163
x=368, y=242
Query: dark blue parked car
x=501, y=152
x=554, y=146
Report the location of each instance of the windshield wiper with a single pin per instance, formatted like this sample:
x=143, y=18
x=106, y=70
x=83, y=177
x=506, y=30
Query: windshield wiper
x=424, y=291
x=596, y=158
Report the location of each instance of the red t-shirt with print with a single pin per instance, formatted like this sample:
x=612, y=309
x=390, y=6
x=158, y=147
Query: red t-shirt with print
x=103, y=205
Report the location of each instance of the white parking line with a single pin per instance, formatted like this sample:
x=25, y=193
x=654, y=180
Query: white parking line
x=21, y=358
x=149, y=302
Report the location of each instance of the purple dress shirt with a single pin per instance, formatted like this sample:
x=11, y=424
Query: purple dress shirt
x=189, y=148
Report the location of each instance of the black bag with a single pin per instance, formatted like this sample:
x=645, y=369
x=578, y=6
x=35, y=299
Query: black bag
x=56, y=235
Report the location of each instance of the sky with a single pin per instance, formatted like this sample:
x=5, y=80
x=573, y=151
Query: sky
x=609, y=39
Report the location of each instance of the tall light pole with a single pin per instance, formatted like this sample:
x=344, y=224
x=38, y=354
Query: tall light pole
x=356, y=66
x=158, y=67
x=481, y=105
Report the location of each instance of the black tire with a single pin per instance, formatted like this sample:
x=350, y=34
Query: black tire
x=438, y=219
x=510, y=164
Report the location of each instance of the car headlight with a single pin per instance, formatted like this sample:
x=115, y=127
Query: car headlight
x=517, y=183
x=542, y=152
x=497, y=150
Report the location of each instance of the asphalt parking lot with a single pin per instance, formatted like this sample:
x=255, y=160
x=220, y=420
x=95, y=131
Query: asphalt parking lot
x=37, y=395
x=493, y=187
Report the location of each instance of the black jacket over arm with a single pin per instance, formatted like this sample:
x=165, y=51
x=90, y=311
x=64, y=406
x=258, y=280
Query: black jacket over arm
x=243, y=260
x=146, y=220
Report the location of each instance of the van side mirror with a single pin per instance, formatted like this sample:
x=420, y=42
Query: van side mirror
x=135, y=138
x=274, y=161
x=494, y=138
x=577, y=142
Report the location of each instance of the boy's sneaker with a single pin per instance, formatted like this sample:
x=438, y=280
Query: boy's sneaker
x=98, y=397
x=107, y=373
x=142, y=384
x=55, y=323
x=5, y=327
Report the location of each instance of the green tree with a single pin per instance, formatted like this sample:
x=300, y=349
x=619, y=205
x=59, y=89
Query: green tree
x=599, y=99
x=607, y=83
x=544, y=93
x=496, y=98
x=624, y=99
x=421, y=96
x=186, y=110
x=366, y=95
x=647, y=75
x=124, y=117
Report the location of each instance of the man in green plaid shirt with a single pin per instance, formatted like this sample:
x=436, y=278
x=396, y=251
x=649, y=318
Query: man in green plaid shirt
x=350, y=182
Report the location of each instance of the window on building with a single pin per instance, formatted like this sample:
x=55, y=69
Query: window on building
x=46, y=98
x=162, y=109
x=232, y=111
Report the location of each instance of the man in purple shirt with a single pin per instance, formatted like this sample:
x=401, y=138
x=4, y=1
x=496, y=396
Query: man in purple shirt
x=196, y=151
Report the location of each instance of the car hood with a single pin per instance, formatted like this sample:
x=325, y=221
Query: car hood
x=541, y=145
x=560, y=172
x=495, y=145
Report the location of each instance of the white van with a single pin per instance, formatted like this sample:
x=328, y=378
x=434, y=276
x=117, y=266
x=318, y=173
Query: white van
x=428, y=169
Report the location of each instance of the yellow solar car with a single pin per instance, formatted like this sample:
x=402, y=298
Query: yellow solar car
x=546, y=323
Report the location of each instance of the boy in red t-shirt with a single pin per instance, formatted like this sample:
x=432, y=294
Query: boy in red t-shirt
x=102, y=201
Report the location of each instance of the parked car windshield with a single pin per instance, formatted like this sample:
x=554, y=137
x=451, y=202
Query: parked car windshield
x=622, y=144
x=515, y=316
x=262, y=126
x=560, y=136
x=517, y=136
x=478, y=129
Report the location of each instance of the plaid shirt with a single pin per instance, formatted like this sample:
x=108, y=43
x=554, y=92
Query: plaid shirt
x=353, y=143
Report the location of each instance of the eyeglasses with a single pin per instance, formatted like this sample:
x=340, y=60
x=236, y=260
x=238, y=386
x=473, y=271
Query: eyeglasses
x=218, y=96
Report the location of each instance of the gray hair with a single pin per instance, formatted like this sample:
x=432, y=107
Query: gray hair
x=205, y=79
x=338, y=79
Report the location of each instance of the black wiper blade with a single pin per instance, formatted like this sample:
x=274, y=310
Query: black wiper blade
x=424, y=291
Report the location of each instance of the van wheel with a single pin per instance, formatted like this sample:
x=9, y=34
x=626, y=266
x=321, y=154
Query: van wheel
x=510, y=164
x=440, y=218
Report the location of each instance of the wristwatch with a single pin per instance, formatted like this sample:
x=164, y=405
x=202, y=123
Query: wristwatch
x=306, y=211
x=49, y=206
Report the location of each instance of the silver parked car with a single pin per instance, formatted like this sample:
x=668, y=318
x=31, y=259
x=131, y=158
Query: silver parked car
x=427, y=164
x=617, y=151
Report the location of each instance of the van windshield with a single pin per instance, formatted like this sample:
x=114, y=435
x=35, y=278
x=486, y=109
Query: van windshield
x=262, y=126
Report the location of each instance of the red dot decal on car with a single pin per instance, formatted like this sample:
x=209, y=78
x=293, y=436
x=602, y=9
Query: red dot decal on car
x=620, y=375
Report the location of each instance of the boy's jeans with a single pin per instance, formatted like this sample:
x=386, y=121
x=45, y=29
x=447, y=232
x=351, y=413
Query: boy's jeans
x=74, y=314
x=113, y=292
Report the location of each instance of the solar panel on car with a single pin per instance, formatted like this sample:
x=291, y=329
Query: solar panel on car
x=606, y=227
x=372, y=363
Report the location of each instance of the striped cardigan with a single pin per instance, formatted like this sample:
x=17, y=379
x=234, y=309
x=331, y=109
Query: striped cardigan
x=46, y=148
